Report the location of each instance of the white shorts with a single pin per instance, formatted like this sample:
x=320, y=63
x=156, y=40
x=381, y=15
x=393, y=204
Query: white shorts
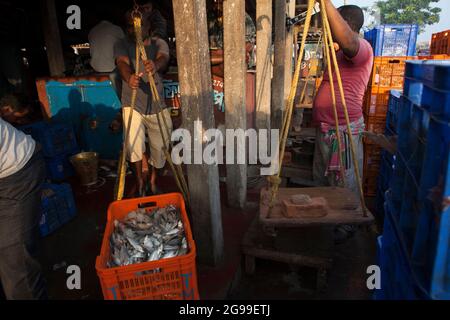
x=136, y=141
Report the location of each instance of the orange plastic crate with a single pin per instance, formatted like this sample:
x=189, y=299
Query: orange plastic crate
x=376, y=102
x=166, y=279
x=376, y=125
x=370, y=182
x=372, y=158
x=435, y=57
x=372, y=161
x=388, y=72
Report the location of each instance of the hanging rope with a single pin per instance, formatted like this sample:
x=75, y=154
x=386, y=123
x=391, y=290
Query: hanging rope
x=275, y=181
x=327, y=31
x=162, y=123
x=122, y=167
x=333, y=98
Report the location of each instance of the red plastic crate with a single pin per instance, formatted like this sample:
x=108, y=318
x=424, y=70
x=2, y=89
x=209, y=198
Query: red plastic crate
x=166, y=279
x=440, y=43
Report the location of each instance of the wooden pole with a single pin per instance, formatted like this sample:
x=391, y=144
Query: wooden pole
x=194, y=74
x=289, y=52
x=52, y=39
x=263, y=63
x=278, y=67
x=234, y=91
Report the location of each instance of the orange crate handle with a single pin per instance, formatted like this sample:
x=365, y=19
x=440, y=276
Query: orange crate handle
x=147, y=205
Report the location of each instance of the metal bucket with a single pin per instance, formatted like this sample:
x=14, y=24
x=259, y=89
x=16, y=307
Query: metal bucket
x=86, y=166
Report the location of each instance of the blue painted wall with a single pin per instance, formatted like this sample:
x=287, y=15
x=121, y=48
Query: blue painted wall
x=81, y=104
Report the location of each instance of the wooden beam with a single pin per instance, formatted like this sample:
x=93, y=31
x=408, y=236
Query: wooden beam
x=263, y=63
x=278, y=64
x=234, y=91
x=194, y=74
x=289, y=52
x=52, y=39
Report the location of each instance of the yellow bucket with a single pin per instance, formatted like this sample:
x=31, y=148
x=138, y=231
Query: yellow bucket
x=86, y=166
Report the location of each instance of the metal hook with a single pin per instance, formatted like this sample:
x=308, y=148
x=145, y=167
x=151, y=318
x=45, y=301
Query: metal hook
x=136, y=13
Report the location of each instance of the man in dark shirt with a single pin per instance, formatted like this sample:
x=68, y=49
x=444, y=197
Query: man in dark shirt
x=145, y=112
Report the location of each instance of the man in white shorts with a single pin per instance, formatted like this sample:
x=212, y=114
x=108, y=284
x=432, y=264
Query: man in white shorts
x=145, y=111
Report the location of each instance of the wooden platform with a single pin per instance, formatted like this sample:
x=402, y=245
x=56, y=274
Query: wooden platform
x=344, y=208
x=313, y=249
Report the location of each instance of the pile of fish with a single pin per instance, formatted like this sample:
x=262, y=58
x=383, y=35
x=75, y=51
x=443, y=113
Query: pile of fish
x=147, y=236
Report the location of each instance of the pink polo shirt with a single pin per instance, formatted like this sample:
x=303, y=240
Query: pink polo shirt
x=355, y=74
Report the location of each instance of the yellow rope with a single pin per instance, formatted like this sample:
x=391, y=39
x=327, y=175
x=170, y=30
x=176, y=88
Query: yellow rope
x=333, y=97
x=122, y=166
x=327, y=31
x=162, y=124
x=177, y=170
x=329, y=50
x=275, y=181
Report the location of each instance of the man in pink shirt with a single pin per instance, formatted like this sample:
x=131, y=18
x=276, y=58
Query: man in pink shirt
x=355, y=59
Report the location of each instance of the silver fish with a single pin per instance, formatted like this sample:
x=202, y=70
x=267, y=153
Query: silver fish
x=147, y=236
x=174, y=242
x=148, y=244
x=131, y=216
x=123, y=256
x=135, y=245
x=173, y=231
x=170, y=254
x=170, y=248
x=116, y=258
x=156, y=255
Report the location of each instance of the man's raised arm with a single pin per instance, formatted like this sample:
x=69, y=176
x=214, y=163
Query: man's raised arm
x=343, y=34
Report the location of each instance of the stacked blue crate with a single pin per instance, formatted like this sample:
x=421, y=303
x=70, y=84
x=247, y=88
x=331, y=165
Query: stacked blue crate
x=58, y=207
x=427, y=85
x=398, y=280
x=58, y=144
x=387, y=164
x=393, y=39
x=395, y=102
x=417, y=203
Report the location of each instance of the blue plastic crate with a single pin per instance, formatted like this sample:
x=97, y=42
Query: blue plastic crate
x=403, y=155
x=421, y=180
x=379, y=294
x=440, y=288
x=398, y=268
x=59, y=168
x=386, y=170
x=412, y=130
x=397, y=279
x=393, y=40
x=56, y=138
x=427, y=83
x=432, y=246
x=395, y=102
x=434, y=73
x=379, y=204
x=58, y=207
